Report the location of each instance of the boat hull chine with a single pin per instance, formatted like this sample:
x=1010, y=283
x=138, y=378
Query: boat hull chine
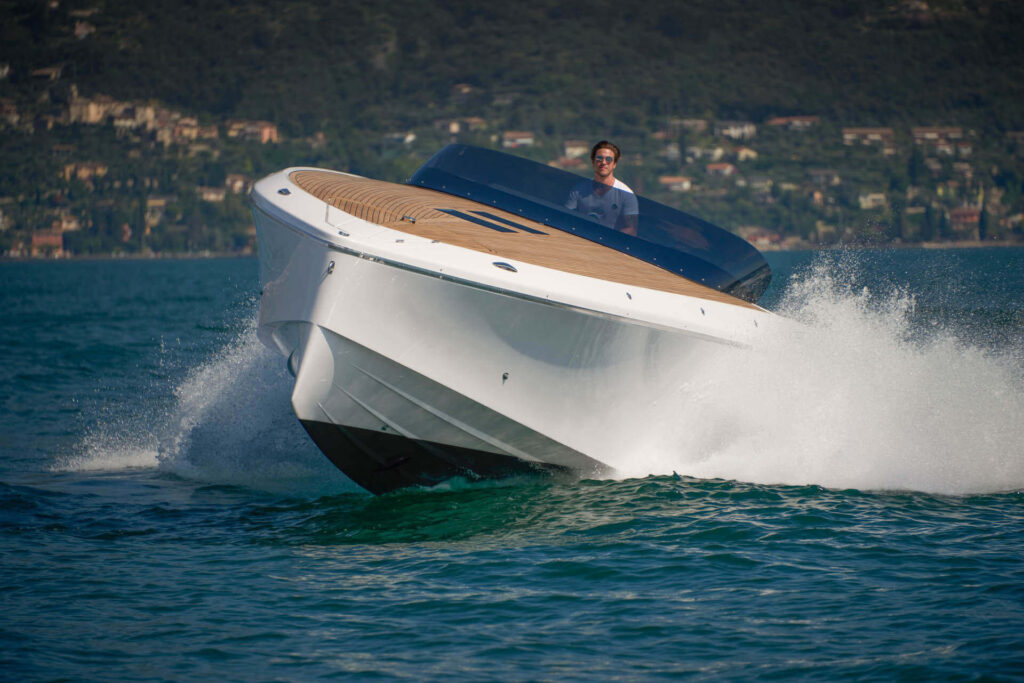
x=386, y=426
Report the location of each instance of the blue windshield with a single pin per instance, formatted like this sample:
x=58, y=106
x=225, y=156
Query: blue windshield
x=650, y=231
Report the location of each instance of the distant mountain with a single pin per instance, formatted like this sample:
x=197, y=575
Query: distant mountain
x=554, y=66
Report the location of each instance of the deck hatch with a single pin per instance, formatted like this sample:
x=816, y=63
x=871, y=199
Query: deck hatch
x=506, y=221
x=474, y=219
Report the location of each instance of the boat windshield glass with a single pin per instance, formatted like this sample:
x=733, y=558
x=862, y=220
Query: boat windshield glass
x=617, y=218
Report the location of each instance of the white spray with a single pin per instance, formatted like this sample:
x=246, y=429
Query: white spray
x=231, y=423
x=848, y=398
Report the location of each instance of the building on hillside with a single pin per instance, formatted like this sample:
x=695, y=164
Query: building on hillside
x=963, y=169
x=262, y=132
x=186, y=128
x=450, y=126
x=871, y=200
x=568, y=163
x=211, y=194
x=237, y=183
x=694, y=152
x=84, y=170
x=720, y=169
x=795, y=122
x=67, y=223
x=760, y=237
x=965, y=222
x=1012, y=222
x=745, y=154
x=576, y=149
x=47, y=243
x=399, y=138
x=671, y=152
x=93, y=110
x=760, y=184
x=124, y=124
x=511, y=139
x=156, y=207
x=49, y=73
x=885, y=138
x=676, y=183
x=924, y=135
x=133, y=117
x=474, y=123
x=737, y=130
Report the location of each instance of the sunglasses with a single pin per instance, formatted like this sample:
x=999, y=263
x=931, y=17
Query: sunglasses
x=607, y=160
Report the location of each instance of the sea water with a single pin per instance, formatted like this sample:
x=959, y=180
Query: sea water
x=842, y=501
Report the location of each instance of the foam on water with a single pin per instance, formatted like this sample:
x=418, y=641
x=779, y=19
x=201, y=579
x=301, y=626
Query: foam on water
x=230, y=423
x=851, y=396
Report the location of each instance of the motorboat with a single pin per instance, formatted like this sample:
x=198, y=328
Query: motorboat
x=468, y=324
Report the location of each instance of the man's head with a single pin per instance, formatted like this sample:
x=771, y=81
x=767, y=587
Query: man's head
x=604, y=156
x=605, y=147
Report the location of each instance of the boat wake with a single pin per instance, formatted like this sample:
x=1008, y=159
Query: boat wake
x=856, y=395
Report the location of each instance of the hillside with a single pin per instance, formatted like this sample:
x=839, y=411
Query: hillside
x=573, y=64
x=349, y=74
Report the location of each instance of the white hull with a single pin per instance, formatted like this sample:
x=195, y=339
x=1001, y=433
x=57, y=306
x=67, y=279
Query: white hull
x=416, y=361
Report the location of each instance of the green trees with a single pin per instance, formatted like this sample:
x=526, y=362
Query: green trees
x=348, y=73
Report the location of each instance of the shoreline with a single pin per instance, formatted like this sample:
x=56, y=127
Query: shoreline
x=973, y=244
x=183, y=256
x=175, y=256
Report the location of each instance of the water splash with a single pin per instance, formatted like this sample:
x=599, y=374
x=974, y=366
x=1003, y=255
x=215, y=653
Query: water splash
x=233, y=424
x=855, y=393
x=230, y=423
x=852, y=395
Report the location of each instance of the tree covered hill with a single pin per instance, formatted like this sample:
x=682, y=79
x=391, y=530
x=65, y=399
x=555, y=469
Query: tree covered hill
x=555, y=66
x=373, y=86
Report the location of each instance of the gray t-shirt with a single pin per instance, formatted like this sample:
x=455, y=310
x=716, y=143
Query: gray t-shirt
x=604, y=204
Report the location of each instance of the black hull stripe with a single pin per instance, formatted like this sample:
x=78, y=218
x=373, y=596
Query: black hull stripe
x=381, y=461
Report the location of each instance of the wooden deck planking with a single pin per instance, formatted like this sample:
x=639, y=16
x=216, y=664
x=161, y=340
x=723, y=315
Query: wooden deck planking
x=388, y=203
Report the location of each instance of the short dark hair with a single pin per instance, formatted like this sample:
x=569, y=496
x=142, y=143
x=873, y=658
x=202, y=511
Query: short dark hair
x=604, y=144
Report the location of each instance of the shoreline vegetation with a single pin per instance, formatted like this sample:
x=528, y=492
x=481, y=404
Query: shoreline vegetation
x=106, y=149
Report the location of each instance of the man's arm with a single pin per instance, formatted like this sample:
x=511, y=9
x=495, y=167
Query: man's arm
x=631, y=214
x=574, y=199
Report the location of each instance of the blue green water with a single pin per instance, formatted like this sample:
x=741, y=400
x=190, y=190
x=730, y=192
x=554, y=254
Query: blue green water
x=845, y=505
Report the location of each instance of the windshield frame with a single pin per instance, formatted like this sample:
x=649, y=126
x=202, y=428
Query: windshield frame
x=668, y=238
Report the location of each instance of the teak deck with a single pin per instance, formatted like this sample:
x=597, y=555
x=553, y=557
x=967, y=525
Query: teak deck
x=422, y=212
